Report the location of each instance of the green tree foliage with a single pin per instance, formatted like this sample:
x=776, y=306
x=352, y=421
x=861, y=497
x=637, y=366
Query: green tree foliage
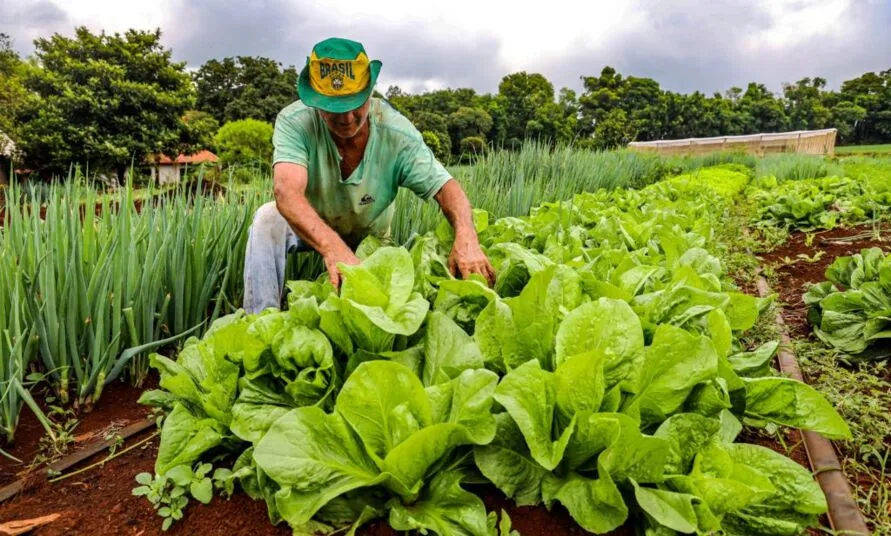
x=845, y=117
x=106, y=100
x=805, y=104
x=102, y=100
x=613, y=110
x=200, y=129
x=468, y=122
x=523, y=95
x=440, y=150
x=437, y=124
x=245, y=87
x=12, y=92
x=764, y=112
x=613, y=131
x=244, y=142
x=872, y=93
x=471, y=146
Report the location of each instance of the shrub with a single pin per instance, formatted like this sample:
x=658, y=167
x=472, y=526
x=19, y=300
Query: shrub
x=440, y=150
x=244, y=142
x=471, y=146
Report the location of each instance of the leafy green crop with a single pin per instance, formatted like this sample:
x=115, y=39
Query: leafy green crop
x=820, y=203
x=603, y=372
x=851, y=311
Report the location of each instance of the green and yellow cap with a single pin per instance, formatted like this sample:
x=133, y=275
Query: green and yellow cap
x=338, y=77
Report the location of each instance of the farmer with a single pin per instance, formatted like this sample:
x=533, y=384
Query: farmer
x=339, y=158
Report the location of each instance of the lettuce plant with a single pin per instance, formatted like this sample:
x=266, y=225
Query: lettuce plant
x=603, y=372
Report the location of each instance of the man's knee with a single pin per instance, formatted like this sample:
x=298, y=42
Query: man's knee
x=269, y=222
x=268, y=216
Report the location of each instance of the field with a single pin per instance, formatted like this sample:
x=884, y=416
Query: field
x=619, y=377
x=867, y=150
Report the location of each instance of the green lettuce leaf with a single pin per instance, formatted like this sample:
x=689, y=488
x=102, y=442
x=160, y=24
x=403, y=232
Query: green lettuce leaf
x=596, y=504
x=444, y=508
x=185, y=437
x=508, y=464
x=793, y=403
x=529, y=394
x=201, y=379
x=675, y=363
x=314, y=457
x=377, y=301
x=385, y=404
x=608, y=326
x=448, y=350
x=794, y=506
x=463, y=300
x=669, y=508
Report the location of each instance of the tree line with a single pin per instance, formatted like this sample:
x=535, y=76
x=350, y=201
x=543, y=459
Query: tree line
x=109, y=100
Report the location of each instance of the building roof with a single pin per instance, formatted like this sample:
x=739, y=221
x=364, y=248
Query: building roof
x=195, y=158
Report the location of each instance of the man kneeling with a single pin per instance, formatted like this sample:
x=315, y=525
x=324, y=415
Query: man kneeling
x=340, y=156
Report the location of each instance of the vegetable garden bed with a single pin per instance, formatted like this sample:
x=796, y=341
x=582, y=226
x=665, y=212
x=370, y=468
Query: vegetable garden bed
x=604, y=374
x=100, y=502
x=860, y=390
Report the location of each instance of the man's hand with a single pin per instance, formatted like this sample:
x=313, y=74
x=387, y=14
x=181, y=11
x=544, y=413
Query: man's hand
x=344, y=255
x=468, y=258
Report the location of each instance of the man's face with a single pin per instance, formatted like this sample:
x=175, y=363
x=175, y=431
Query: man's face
x=348, y=124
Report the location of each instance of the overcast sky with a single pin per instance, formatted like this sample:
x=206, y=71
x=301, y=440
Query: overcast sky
x=708, y=45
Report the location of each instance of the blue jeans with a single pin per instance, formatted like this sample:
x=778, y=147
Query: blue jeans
x=270, y=240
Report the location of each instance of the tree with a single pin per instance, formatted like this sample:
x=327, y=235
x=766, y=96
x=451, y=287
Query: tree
x=200, y=129
x=600, y=97
x=103, y=101
x=494, y=105
x=613, y=131
x=871, y=92
x=435, y=123
x=845, y=117
x=468, y=122
x=245, y=142
x=12, y=92
x=245, y=87
x=804, y=104
x=765, y=113
x=471, y=146
x=440, y=151
x=523, y=95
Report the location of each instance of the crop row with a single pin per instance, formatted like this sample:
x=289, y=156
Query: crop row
x=603, y=372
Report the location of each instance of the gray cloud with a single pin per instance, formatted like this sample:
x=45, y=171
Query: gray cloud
x=687, y=49
x=273, y=28
x=686, y=46
x=27, y=20
x=206, y=29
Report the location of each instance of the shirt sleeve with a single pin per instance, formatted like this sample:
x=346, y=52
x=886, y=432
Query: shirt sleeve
x=289, y=142
x=420, y=171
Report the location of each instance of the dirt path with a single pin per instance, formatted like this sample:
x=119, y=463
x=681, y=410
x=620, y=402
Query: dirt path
x=794, y=278
x=847, y=384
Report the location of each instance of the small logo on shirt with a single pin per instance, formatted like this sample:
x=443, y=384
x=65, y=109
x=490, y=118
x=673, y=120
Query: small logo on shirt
x=366, y=200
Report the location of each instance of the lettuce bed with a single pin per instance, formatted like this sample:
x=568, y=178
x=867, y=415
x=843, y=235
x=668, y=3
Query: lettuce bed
x=603, y=372
x=851, y=311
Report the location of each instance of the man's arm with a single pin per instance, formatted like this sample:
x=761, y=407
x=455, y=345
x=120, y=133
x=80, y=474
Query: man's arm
x=290, y=198
x=466, y=257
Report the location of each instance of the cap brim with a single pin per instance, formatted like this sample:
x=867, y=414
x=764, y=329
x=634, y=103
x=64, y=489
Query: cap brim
x=335, y=104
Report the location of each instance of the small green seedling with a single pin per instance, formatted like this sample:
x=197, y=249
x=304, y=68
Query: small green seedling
x=167, y=492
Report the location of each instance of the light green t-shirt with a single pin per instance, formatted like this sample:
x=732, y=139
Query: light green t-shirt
x=363, y=204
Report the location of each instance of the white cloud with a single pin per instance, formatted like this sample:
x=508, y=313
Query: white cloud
x=797, y=21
